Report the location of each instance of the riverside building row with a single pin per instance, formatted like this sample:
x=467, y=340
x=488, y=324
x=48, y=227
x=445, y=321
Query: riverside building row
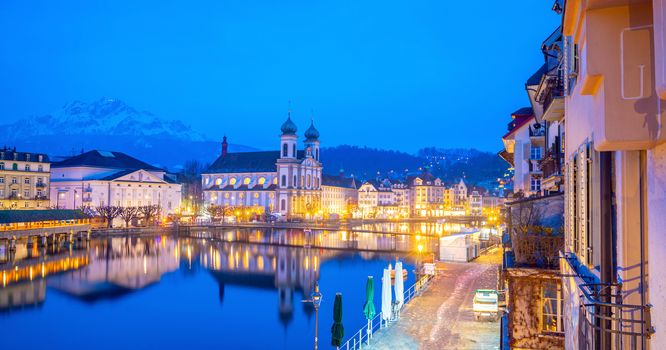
x=587, y=272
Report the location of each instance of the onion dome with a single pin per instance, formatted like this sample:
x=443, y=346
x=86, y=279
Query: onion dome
x=288, y=127
x=311, y=133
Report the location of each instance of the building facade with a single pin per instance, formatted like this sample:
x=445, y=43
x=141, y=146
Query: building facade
x=101, y=178
x=614, y=174
x=287, y=181
x=24, y=180
x=339, y=195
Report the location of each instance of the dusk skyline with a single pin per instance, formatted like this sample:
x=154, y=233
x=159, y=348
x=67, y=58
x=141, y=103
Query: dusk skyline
x=405, y=73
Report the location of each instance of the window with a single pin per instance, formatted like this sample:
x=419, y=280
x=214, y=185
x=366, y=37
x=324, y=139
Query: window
x=26, y=181
x=294, y=183
x=40, y=168
x=218, y=181
x=285, y=150
x=232, y=181
x=2, y=193
x=14, y=180
x=535, y=153
x=262, y=180
x=535, y=186
x=27, y=167
x=283, y=204
x=284, y=180
x=2, y=166
x=551, y=307
x=246, y=181
x=293, y=154
x=26, y=194
x=307, y=181
x=14, y=166
x=2, y=180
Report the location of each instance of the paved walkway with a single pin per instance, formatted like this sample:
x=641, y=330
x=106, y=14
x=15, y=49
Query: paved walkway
x=442, y=317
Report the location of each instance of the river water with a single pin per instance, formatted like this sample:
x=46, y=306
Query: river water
x=219, y=289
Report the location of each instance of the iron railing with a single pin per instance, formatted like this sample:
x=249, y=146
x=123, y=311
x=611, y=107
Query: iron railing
x=363, y=335
x=605, y=321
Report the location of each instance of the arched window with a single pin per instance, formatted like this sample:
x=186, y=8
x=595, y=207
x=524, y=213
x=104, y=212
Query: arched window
x=294, y=151
x=275, y=181
x=307, y=182
x=262, y=180
x=2, y=166
x=246, y=181
x=285, y=149
x=295, y=182
x=218, y=181
x=232, y=181
x=317, y=153
x=283, y=204
x=15, y=166
x=284, y=180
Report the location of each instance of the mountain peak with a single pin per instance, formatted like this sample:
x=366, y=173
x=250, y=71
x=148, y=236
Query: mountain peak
x=105, y=116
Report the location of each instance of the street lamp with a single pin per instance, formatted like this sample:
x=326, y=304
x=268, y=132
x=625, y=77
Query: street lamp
x=315, y=299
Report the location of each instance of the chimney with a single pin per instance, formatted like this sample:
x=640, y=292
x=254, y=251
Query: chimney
x=224, y=146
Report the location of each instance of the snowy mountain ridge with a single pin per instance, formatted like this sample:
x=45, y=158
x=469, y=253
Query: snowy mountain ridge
x=105, y=116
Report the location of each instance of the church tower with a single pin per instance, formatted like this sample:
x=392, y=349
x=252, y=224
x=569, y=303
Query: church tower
x=312, y=141
x=288, y=139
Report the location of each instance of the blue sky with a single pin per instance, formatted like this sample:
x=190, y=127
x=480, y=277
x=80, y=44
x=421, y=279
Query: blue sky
x=381, y=73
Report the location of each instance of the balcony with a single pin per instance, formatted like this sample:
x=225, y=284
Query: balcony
x=536, y=249
x=13, y=196
x=40, y=185
x=535, y=131
x=605, y=319
x=533, y=165
x=553, y=99
x=551, y=166
x=87, y=199
x=87, y=189
x=41, y=198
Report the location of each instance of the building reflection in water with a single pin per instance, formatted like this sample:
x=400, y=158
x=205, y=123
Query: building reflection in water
x=285, y=261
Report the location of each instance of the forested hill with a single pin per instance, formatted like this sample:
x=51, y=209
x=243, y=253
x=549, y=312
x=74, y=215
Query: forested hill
x=448, y=164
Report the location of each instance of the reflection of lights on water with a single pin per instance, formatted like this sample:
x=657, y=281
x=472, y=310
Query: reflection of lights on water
x=31, y=273
x=145, y=265
x=306, y=262
x=43, y=271
x=260, y=262
x=316, y=263
x=4, y=278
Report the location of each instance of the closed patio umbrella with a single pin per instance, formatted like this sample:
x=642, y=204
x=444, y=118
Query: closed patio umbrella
x=369, y=307
x=399, y=285
x=337, y=330
x=386, y=296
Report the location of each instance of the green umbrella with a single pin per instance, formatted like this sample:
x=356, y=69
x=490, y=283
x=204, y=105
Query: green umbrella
x=369, y=307
x=337, y=331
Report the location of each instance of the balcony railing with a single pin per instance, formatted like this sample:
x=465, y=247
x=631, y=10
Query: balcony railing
x=40, y=184
x=605, y=321
x=551, y=164
x=554, y=89
x=87, y=189
x=537, y=132
x=41, y=198
x=536, y=249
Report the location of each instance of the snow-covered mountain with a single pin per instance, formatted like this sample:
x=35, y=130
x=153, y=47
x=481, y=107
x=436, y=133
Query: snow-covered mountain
x=105, y=116
x=111, y=124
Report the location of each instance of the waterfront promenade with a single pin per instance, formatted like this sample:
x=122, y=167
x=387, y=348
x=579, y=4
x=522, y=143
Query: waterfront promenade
x=442, y=317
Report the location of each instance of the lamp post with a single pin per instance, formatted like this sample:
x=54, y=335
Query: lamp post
x=315, y=299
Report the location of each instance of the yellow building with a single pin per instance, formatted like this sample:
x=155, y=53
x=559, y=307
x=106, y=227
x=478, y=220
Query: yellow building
x=24, y=179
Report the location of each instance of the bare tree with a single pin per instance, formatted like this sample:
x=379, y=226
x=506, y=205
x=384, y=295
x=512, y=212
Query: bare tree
x=214, y=211
x=149, y=212
x=128, y=214
x=108, y=212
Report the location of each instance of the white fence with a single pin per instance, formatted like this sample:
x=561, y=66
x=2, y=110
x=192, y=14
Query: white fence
x=364, y=334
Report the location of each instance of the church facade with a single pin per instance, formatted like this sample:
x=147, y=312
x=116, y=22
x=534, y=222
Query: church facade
x=287, y=181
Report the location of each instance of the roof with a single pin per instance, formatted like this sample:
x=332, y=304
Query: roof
x=105, y=159
x=13, y=216
x=518, y=122
x=535, y=79
x=247, y=162
x=338, y=181
x=523, y=111
x=12, y=154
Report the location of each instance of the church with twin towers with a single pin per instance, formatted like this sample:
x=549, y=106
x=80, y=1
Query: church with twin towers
x=287, y=181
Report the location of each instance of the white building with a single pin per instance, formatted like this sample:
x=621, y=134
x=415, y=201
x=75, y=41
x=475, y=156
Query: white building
x=524, y=148
x=288, y=181
x=475, y=203
x=339, y=195
x=101, y=178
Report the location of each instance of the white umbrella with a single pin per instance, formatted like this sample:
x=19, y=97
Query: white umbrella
x=399, y=285
x=386, y=296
